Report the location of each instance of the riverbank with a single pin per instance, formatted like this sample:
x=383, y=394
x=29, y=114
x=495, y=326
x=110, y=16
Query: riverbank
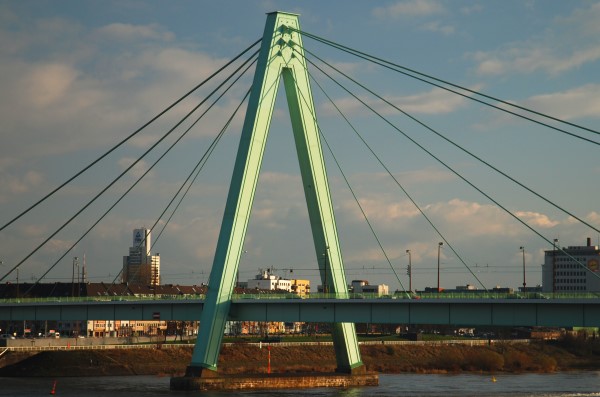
x=249, y=359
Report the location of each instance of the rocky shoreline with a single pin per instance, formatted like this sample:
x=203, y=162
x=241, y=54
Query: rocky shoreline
x=251, y=359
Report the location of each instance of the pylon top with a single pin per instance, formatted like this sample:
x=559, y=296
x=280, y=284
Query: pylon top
x=283, y=12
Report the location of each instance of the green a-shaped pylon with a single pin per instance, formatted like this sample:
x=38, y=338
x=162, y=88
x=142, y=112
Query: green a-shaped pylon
x=281, y=55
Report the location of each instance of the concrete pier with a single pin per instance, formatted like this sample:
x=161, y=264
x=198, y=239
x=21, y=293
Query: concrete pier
x=274, y=381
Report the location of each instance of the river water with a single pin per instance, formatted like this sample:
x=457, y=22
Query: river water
x=568, y=384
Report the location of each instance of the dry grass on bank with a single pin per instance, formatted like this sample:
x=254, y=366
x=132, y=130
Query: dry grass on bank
x=245, y=358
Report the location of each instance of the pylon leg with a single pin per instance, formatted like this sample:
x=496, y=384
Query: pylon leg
x=281, y=55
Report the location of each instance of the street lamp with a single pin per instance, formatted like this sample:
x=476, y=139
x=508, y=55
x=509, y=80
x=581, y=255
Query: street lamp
x=325, y=255
x=524, y=283
x=409, y=271
x=73, y=276
x=238, y=269
x=438, y=266
x=555, y=243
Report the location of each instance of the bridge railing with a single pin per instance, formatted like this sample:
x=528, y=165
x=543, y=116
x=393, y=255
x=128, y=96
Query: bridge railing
x=508, y=295
x=101, y=298
x=425, y=295
x=332, y=296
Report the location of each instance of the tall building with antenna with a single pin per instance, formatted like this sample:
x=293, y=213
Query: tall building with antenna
x=140, y=266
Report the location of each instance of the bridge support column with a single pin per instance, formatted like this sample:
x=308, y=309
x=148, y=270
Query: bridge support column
x=281, y=55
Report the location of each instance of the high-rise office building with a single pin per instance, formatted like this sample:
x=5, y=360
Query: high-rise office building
x=574, y=269
x=140, y=266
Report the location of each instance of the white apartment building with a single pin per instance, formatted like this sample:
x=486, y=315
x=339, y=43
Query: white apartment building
x=140, y=266
x=266, y=280
x=363, y=286
x=574, y=270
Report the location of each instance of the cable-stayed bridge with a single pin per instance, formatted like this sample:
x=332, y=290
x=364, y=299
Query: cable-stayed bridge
x=282, y=56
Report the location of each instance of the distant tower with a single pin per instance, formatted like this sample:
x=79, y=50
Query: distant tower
x=140, y=266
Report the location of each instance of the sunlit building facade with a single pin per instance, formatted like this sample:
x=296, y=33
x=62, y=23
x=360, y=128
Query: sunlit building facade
x=572, y=269
x=140, y=266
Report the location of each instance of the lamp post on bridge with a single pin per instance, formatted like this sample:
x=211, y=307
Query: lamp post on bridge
x=75, y=263
x=554, y=244
x=238, y=269
x=325, y=255
x=524, y=283
x=438, y=266
x=409, y=271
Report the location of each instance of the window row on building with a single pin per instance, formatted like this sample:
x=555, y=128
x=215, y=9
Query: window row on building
x=573, y=268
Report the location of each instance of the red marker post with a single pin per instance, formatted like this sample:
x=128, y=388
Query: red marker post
x=269, y=360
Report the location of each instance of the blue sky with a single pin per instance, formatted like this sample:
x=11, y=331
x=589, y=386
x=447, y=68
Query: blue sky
x=78, y=76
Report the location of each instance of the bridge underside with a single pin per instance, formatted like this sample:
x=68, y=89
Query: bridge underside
x=499, y=312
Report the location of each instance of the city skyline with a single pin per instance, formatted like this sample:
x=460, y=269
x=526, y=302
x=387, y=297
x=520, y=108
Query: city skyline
x=78, y=76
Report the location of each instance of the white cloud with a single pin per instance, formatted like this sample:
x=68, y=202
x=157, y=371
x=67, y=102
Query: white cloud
x=568, y=44
x=186, y=65
x=33, y=231
x=570, y=104
x=47, y=84
x=410, y=8
x=473, y=219
x=13, y=184
x=533, y=57
x=435, y=101
x=584, y=20
x=582, y=101
x=123, y=31
x=423, y=176
x=58, y=246
x=471, y=9
x=279, y=196
x=536, y=220
x=388, y=213
x=348, y=67
x=593, y=218
x=55, y=103
x=278, y=179
x=438, y=27
x=137, y=170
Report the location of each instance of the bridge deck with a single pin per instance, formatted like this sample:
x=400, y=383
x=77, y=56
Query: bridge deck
x=582, y=312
